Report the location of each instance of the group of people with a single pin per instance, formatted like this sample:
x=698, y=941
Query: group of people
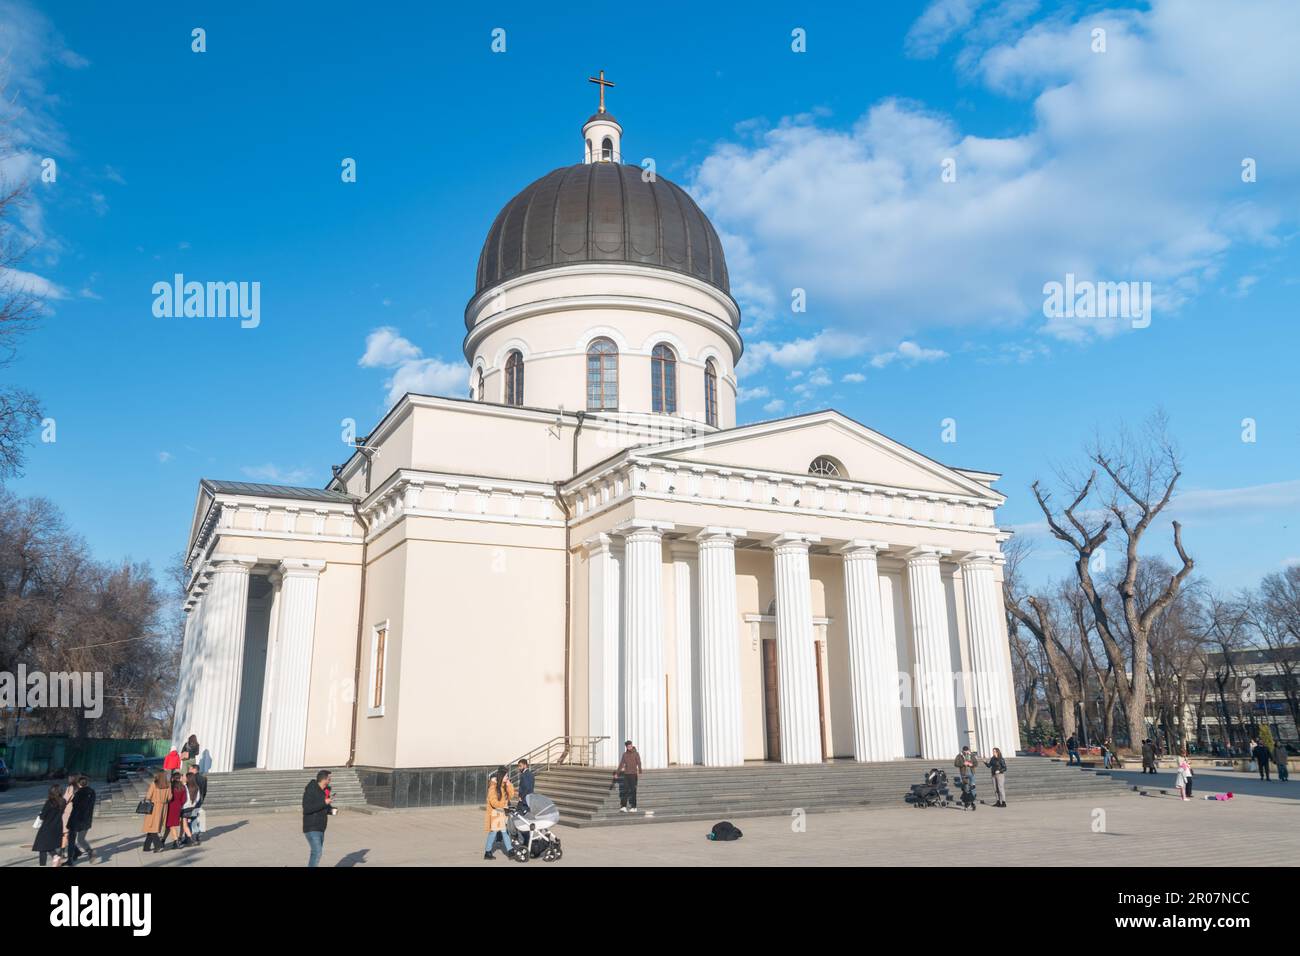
x=500, y=793
x=173, y=805
x=1264, y=757
x=968, y=760
x=64, y=821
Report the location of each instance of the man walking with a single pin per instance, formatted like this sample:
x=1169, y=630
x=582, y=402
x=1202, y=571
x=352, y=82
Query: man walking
x=316, y=811
x=1072, y=748
x=629, y=768
x=1279, y=758
x=1262, y=758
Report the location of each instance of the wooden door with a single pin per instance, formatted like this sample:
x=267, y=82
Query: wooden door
x=771, y=702
x=821, y=697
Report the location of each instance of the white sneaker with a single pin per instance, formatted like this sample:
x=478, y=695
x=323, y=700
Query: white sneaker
x=622, y=809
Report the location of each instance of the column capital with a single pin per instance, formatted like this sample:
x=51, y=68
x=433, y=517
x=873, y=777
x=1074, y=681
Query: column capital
x=231, y=562
x=982, y=557
x=598, y=543
x=794, y=540
x=716, y=533
x=927, y=551
x=309, y=567
x=641, y=526
x=862, y=546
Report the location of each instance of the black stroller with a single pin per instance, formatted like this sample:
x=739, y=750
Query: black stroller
x=932, y=793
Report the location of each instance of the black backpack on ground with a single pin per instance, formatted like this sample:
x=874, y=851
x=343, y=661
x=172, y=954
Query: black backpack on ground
x=725, y=831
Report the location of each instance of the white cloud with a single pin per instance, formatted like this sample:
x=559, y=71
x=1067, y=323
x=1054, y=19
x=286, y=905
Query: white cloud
x=774, y=406
x=854, y=377
x=412, y=371
x=274, y=474
x=800, y=353
x=938, y=24
x=1149, y=134
x=909, y=353
x=164, y=457
x=749, y=394
x=386, y=348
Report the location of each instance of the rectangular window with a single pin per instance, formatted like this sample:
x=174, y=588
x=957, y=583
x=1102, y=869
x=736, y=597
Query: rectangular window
x=378, y=665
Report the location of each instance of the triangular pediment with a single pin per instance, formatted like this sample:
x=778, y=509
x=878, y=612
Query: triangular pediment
x=789, y=446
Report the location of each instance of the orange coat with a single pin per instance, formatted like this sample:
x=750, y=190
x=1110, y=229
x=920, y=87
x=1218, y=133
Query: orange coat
x=496, y=808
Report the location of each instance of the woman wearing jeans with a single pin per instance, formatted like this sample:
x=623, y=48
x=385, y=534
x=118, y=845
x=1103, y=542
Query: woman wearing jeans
x=500, y=791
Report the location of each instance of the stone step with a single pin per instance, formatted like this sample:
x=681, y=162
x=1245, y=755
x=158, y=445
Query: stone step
x=585, y=797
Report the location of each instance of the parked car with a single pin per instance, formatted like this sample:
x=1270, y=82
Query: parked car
x=125, y=765
x=4, y=776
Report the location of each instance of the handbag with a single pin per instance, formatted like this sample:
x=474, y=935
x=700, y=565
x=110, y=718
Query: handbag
x=36, y=824
x=144, y=806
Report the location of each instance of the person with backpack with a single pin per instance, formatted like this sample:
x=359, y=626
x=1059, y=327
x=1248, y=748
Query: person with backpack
x=80, y=819
x=500, y=791
x=998, y=767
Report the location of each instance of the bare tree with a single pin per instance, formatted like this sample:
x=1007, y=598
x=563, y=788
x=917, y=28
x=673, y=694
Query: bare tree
x=20, y=306
x=1035, y=613
x=1131, y=483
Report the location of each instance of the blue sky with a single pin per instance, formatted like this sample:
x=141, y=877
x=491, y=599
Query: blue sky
x=821, y=169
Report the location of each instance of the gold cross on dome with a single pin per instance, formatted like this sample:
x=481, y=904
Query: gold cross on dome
x=602, y=83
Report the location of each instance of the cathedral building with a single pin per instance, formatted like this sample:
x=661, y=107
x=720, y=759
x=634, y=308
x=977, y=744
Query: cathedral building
x=589, y=547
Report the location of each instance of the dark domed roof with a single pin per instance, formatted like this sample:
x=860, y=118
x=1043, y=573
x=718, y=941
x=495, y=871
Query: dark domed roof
x=601, y=212
x=603, y=118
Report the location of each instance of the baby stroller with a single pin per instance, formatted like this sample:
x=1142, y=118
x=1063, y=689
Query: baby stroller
x=531, y=829
x=932, y=793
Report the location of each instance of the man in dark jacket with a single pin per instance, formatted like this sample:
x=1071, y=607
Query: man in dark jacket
x=316, y=811
x=80, y=819
x=629, y=768
x=526, y=782
x=1262, y=758
x=1148, y=756
x=1072, y=748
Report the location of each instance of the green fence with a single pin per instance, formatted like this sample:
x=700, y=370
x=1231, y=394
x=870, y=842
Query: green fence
x=38, y=757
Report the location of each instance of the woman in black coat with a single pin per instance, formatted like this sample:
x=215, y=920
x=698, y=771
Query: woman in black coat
x=49, y=838
x=80, y=820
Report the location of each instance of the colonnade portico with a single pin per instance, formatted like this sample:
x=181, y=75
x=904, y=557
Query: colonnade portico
x=212, y=660
x=700, y=705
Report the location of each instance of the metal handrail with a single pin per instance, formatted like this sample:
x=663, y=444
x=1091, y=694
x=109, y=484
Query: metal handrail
x=573, y=751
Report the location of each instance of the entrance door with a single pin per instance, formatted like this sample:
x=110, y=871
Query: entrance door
x=771, y=703
x=821, y=698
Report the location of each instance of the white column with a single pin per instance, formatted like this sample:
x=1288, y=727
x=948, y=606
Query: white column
x=995, y=715
x=873, y=658
x=604, y=629
x=933, y=680
x=268, y=679
x=722, y=728
x=686, y=639
x=645, y=719
x=796, y=667
x=295, y=638
x=225, y=615
x=184, y=683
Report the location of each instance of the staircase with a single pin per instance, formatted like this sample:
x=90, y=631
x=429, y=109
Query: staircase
x=241, y=791
x=585, y=797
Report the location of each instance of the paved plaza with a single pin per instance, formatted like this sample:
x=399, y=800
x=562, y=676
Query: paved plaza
x=1258, y=827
